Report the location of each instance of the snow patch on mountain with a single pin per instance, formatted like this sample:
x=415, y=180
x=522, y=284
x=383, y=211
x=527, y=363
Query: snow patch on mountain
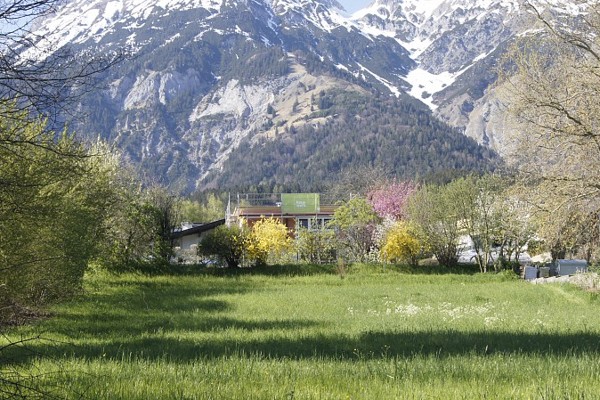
x=79, y=21
x=425, y=84
x=423, y=9
x=326, y=15
x=417, y=46
x=375, y=31
x=113, y=9
x=424, y=27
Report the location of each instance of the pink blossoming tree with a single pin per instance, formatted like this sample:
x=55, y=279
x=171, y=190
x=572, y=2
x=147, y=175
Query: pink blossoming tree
x=389, y=200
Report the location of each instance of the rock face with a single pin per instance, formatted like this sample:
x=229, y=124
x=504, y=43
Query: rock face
x=456, y=44
x=205, y=75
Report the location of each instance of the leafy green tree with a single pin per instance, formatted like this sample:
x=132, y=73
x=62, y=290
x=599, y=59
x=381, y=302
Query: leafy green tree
x=139, y=226
x=478, y=201
x=227, y=243
x=354, y=222
x=518, y=226
x=433, y=208
x=54, y=196
x=479, y=207
x=191, y=211
x=211, y=209
x=127, y=240
x=164, y=218
x=316, y=245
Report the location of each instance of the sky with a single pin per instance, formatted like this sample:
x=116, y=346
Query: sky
x=354, y=5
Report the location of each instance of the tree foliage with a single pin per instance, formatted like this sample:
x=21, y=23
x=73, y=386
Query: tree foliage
x=139, y=227
x=492, y=213
x=354, y=222
x=269, y=241
x=54, y=196
x=316, y=246
x=54, y=193
x=434, y=210
x=568, y=233
x=551, y=85
x=210, y=208
x=356, y=180
x=477, y=203
x=390, y=199
x=404, y=242
x=227, y=243
x=360, y=132
x=518, y=226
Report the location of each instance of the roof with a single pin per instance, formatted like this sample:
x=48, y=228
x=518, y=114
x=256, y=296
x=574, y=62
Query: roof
x=268, y=211
x=571, y=263
x=198, y=228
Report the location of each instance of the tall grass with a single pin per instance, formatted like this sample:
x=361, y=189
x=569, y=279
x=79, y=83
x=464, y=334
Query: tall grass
x=282, y=334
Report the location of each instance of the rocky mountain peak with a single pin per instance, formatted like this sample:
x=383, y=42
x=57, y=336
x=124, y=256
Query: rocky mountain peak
x=212, y=76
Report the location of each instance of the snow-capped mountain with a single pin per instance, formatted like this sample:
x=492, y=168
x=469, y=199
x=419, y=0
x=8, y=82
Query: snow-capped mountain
x=456, y=45
x=206, y=78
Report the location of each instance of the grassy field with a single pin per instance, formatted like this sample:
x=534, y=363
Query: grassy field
x=372, y=335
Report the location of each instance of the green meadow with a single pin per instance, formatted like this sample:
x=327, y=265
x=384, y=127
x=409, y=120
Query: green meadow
x=288, y=334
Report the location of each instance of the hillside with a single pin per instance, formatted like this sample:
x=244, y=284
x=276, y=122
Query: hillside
x=213, y=88
x=400, y=137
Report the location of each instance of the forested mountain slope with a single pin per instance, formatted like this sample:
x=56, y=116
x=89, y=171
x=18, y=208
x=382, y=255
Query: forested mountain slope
x=212, y=90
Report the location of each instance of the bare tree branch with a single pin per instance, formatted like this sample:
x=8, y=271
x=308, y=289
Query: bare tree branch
x=42, y=79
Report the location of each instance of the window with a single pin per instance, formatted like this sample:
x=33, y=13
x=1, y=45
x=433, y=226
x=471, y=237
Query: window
x=313, y=223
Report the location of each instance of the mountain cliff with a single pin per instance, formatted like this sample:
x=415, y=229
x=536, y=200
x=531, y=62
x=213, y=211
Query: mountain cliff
x=211, y=88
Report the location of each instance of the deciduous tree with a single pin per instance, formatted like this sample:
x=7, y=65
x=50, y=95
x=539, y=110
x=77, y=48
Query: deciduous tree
x=270, y=241
x=316, y=245
x=138, y=229
x=211, y=209
x=52, y=209
x=551, y=86
x=354, y=222
x=389, y=199
x=404, y=242
x=227, y=243
x=478, y=201
x=433, y=208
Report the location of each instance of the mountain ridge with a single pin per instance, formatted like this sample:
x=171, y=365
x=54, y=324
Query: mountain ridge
x=207, y=76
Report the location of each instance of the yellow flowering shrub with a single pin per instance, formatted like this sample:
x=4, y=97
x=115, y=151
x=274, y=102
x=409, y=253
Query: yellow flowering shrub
x=269, y=241
x=403, y=243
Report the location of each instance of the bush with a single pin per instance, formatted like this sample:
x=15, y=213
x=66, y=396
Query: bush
x=403, y=243
x=269, y=241
x=227, y=244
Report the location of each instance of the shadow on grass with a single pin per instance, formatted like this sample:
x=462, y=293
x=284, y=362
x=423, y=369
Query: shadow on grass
x=272, y=270
x=324, y=269
x=461, y=269
x=371, y=345
x=175, y=319
x=145, y=306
